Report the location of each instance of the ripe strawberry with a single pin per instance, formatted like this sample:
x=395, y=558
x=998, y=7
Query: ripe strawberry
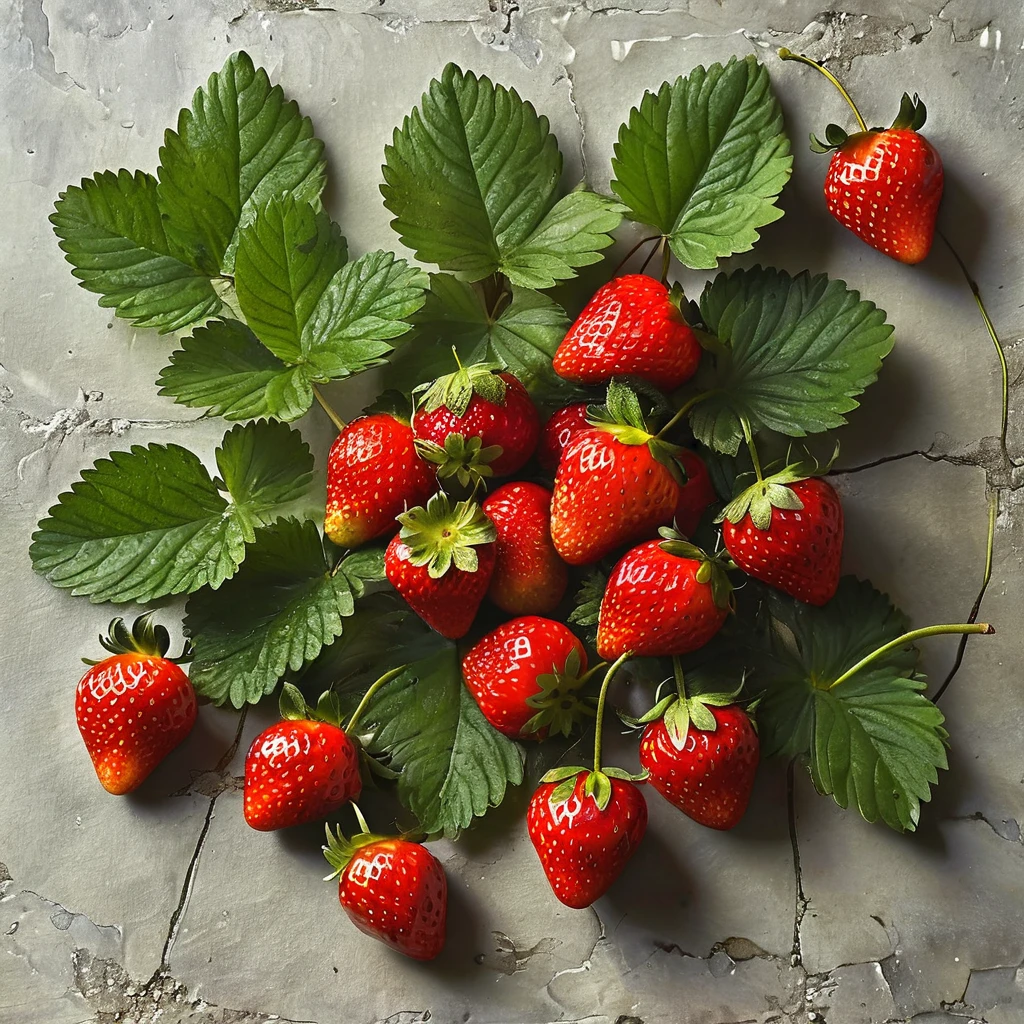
x=526, y=676
x=695, y=495
x=301, y=769
x=441, y=563
x=787, y=531
x=373, y=475
x=476, y=402
x=616, y=484
x=632, y=326
x=134, y=707
x=392, y=889
x=585, y=826
x=563, y=425
x=663, y=597
x=529, y=577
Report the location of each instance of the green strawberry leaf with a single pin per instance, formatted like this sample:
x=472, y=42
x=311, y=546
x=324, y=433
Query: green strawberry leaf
x=797, y=350
x=274, y=616
x=240, y=143
x=704, y=159
x=111, y=232
x=223, y=367
x=875, y=741
x=151, y=522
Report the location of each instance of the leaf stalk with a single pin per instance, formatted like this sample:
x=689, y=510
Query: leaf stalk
x=599, y=718
x=368, y=696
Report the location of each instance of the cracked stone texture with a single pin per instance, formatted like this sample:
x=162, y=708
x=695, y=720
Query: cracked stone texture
x=165, y=906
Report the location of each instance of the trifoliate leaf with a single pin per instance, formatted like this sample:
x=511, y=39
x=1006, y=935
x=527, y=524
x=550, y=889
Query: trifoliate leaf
x=240, y=143
x=283, y=606
x=111, y=233
x=704, y=159
x=797, y=350
x=874, y=741
x=150, y=522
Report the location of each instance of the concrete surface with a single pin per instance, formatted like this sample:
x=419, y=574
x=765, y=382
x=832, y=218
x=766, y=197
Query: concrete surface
x=166, y=907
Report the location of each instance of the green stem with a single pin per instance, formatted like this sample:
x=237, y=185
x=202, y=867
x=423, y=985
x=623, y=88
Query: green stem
x=368, y=696
x=677, y=671
x=650, y=255
x=599, y=719
x=912, y=637
x=683, y=410
x=335, y=418
x=787, y=54
x=629, y=255
x=666, y=259
x=748, y=436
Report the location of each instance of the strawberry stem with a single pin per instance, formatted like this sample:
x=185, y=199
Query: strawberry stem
x=368, y=696
x=787, y=54
x=682, y=411
x=666, y=259
x=650, y=255
x=629, y=255
x=911, y=637
x=748, y=436
x=599, y=719
x=334, y=417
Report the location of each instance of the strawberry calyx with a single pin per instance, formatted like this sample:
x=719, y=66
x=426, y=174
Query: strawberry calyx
x=441, y=535
x=464, y=458
x=622, y=417
x=340, y=849
x=558, y=702
x=764, y=495
x=293, y=706
x=455, y=390
x=911, y=117
x=143, y=638
x=712, y=567
x=597, y=784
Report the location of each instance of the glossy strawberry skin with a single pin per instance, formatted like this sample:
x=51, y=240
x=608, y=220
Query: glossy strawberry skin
x=396, y=892
x=696, y=495
x=629, y=327
x=297, y=772
x=559, y=431
x=608, y=494
x=582, y=848
x=529, y=577
x=654, y=606
x=886, y=188
x=711, y=778
x=515, y=426
x=501, y=670
x=373, y=475
x=800, y=553
x=448, y=604
x=132, y=711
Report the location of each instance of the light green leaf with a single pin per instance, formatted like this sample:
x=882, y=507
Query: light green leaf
x=150, y=522
x=470, y=174
x=239, y=144
x=704, y=160
x=111, y=233
x=796, y=352
x=276, y=615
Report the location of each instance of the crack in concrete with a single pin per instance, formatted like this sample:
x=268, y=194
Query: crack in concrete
x=218, y=779
x=800, y=901
x=1010, y=831
x=34, y=28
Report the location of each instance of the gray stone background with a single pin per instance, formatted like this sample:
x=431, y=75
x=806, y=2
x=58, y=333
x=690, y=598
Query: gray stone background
x=165, y=906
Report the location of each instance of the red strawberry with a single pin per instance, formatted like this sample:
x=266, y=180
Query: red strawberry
x=441, y=563
x=303, y=768
x=392, y=889
x=632, y=326
x=663, y=597
x=373, y=474
x=529, y=577
x=701, y=753
x=476, y=402
x=616, y=484
x=695, y=495
x=558, y=431
x=787, y=531
x=526, y=675
x=134, y=707
x=585, y=831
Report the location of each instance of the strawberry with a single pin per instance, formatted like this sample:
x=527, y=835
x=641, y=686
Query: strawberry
x=476, y=402
x=373, y=474
x=526, y=676
x=441, y=562
x=616, y=484
x=529, y=577
x=301, y=769
x=695, y=495
x=134, y=707
x=663, y=597
x=787, y=531
x=632, y=326
x=392, y=889
x=558, y=431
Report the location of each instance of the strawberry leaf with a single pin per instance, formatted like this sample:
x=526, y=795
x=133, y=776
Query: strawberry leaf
x=704, y=159
x=283, y=606
x=151, y=521
x=797, y=350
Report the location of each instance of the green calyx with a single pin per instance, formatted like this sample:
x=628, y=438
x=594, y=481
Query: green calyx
x=339, y=849
x=441, y=535
x=558, y=702
x=293, y=706
x=622, y=417
x=763, y=495
x=597, y=784
x=144, y=637
x=455, y=390
x=911, y=117
x=463, y=458
x=712, y=567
